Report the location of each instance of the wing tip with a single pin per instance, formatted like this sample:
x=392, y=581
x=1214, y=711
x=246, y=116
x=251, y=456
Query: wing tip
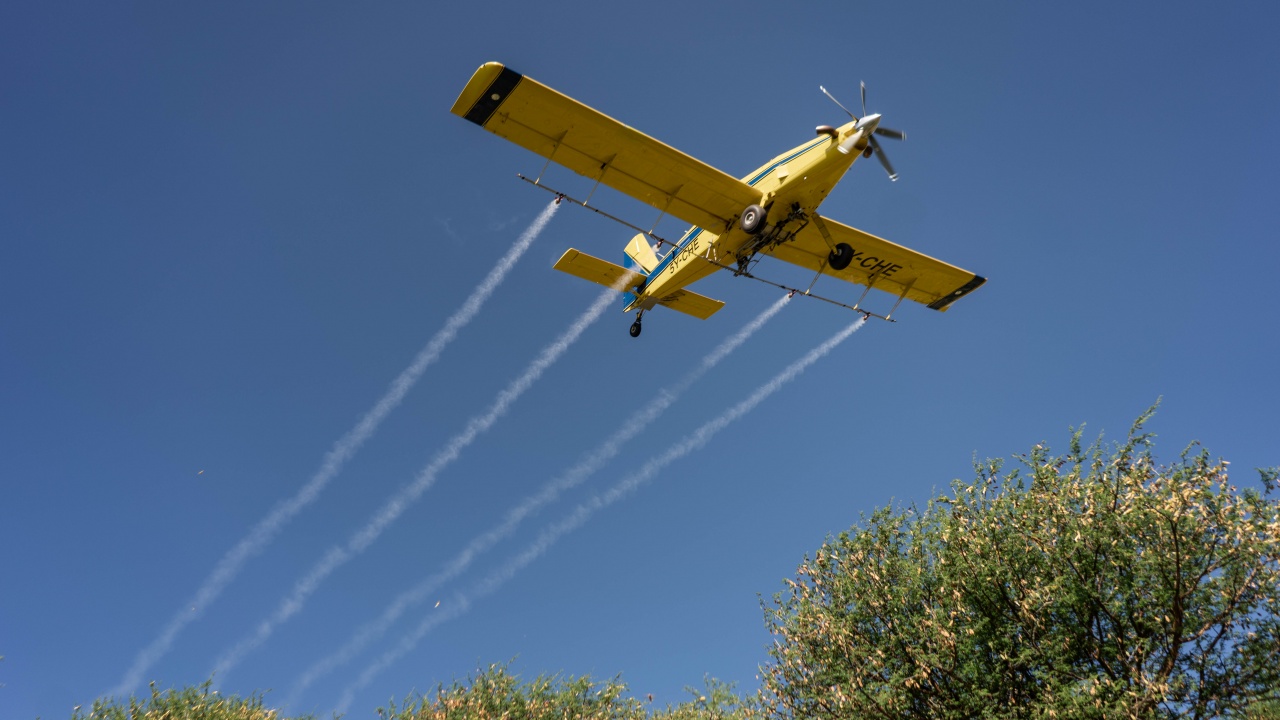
x=566, y=260
x=943, y=302
x=487, y=89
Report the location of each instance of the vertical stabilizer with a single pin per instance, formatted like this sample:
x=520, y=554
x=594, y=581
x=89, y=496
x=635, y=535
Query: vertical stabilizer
x=640, y=255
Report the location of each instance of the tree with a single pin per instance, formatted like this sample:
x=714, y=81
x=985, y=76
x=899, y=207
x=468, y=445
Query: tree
x=189, y=703
x=495, y=693
x=1095, y=585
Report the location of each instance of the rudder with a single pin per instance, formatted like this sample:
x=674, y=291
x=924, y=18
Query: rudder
x=639, y=254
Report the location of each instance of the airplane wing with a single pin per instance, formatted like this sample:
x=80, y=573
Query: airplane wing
x=880, y=264
x=595, y=145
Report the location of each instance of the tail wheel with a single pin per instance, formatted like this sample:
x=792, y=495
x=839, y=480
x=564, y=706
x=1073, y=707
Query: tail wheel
x=635, y=329
x=752, y=220
x=840, y=258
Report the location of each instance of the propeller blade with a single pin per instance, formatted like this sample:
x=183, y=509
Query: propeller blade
x=890, y=133
x=837, y=102
x=864, y=97
x=883, y=160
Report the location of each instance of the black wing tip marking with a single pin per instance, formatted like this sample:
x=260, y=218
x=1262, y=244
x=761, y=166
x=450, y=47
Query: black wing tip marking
x=493, y=96
x=942, y=302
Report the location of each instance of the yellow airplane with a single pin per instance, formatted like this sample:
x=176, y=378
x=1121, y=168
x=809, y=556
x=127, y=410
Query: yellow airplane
x=772, y=211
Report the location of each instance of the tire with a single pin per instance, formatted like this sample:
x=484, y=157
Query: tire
x=635, y=329
x=752, y=220
x=840, y=258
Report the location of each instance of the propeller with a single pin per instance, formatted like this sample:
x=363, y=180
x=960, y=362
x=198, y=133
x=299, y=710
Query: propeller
x=837, y=102
x=873, y=146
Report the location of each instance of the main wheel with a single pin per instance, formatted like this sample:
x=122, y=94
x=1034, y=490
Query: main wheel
x=752, y=219
x=840, y=258
x=635, y=329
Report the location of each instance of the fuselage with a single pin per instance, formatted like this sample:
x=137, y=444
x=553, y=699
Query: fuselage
x=793, y=185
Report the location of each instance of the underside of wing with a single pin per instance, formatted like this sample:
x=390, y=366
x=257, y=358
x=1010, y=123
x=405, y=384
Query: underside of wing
x=878, y=263
x=595, y=145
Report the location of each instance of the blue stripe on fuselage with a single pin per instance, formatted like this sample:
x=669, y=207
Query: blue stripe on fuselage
x=760, y=176
x=629, y=263
x=694, y=232
x=666, y=259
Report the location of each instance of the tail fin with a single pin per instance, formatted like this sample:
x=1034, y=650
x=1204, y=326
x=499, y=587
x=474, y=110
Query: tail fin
x=640, y=255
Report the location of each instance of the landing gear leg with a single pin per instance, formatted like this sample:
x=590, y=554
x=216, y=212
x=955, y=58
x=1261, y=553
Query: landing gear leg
x=635, y=326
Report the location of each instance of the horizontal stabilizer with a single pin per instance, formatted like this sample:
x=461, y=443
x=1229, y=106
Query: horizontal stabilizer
x=598, y=271
x=691, y=303
x=615, y=276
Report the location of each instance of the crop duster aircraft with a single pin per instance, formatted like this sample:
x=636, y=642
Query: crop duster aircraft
x=772, y=211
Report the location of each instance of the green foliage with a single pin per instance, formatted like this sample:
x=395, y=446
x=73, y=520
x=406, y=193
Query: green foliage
x=493, y=693
x=717, y=701
x=1095, y=585
x=1265, y=710
x=191, y=703
x=496, y=694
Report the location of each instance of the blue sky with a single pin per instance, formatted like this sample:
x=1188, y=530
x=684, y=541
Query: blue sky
x=227, y=229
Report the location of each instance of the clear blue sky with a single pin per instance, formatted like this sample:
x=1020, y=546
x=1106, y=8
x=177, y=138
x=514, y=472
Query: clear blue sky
x=227, y=229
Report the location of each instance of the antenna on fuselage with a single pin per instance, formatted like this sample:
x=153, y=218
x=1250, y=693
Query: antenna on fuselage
x=873, y=146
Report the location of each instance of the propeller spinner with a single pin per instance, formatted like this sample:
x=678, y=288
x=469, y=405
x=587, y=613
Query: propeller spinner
x=868, y=126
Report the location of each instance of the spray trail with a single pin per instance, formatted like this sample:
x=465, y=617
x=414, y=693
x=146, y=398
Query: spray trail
x=363, y=538
x=342, y=451
x=552, y=490
x=584, y=511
